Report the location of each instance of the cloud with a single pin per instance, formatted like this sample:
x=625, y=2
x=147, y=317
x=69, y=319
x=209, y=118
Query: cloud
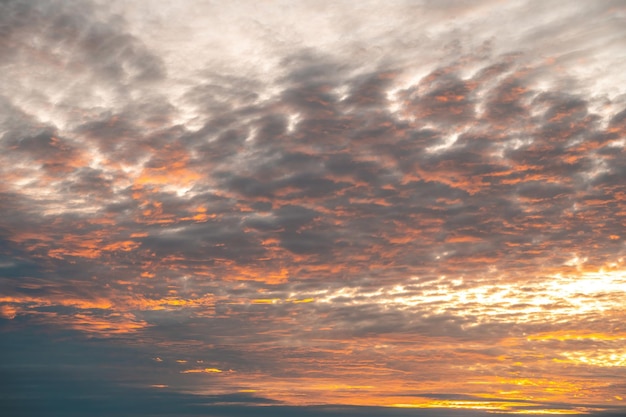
x=441, y=183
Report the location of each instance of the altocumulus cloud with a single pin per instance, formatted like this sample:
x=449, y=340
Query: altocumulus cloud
x=273, y=208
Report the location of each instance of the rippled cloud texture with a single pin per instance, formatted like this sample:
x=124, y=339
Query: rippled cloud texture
x=407, y=208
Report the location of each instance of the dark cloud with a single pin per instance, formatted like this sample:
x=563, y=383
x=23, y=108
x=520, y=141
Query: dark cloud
x=442, y=98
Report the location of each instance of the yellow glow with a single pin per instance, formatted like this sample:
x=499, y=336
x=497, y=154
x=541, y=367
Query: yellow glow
x=465, y=404
x=549, y=411
x=265, y=301
x=202, y=371
x=577, y=335
x=304, y=300
x=599, y=357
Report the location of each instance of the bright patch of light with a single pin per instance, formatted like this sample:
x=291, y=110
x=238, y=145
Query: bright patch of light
x=599, y=357
x=444, y=145
x=293, y=122
x=557, y=296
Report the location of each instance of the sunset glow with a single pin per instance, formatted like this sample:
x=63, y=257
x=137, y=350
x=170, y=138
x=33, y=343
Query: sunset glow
x=312, y=208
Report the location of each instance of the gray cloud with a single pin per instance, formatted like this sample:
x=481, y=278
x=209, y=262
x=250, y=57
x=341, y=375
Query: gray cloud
x=313, y=208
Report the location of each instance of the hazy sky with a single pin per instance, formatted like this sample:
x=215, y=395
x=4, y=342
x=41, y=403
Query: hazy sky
x=313, y=208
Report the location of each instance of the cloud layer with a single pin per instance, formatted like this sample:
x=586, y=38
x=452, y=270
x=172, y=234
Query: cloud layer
x=416, y=205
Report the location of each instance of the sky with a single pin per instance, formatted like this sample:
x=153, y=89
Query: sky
x=315, y=208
